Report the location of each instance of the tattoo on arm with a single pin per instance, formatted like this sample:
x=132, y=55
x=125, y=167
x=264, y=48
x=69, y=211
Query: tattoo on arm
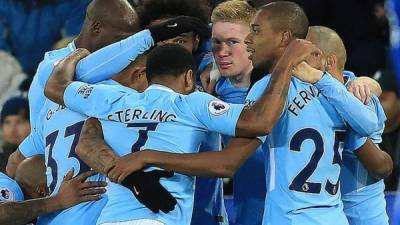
x=92, y=148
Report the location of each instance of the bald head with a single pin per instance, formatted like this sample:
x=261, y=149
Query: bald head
x=329, y=42
x=106, y=22
x=30, y=175
x=115, y=12
x=286, y=16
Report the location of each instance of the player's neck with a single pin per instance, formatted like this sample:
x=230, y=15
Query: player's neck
x=242, y=80
x=172, y=84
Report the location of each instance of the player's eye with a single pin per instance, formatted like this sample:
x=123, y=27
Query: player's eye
x=180, y=41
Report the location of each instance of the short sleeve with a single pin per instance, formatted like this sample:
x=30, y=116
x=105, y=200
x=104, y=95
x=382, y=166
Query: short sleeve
x=32, y=145
x=214, y=114
x=354, y=141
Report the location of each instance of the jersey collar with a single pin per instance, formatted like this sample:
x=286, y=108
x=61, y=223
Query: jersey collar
x=160, y=87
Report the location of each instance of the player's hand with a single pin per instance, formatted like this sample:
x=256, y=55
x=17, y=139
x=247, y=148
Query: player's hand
x=209, y=78
x=76, y=190
x=300, y=50
x=62, y=74
x=360, y=90
x=306, y=73
x=126, y=165
x=147, y=189
x=179, y=25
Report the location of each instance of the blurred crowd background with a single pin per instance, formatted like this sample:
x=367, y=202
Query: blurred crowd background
x=29, y=28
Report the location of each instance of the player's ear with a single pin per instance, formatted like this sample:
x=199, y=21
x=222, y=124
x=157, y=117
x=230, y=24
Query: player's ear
x=189, y=81
x=286, y=38
x=42, y=191
x=196, y=42
x=331, y=62
x=95, y=27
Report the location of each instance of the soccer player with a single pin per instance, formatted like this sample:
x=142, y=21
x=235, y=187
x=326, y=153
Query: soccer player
x=208, y=207
x=163, y=109
x=361, y=192
x=230, y=26
x=30, y=184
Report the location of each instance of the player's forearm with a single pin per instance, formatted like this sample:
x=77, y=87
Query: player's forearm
x=92, y=148
x=211, y=164
x=112, y=59
x=378, y=163
x=259, y=119
x=17, y=213
x=359, y=116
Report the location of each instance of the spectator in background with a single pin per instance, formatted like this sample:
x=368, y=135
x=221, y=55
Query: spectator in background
x=391, y=136
x=11, y=77
x=15, y=127
x=29, y=28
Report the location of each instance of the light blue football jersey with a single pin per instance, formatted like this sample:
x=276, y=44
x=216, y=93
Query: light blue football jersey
x=98, y=66
x=305, y=148
x=160, y=119
x=9, y=189
x=61, y=130
x=248, y=200
x=360, y=192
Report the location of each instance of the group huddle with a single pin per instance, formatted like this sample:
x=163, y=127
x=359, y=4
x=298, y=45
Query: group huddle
x=120, y=124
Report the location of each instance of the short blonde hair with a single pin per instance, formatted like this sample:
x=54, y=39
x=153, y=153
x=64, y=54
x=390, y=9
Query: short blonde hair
x=233, y=11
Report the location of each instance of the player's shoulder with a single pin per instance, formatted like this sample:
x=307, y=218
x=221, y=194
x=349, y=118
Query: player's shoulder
x=257, y=88
x=9, y=189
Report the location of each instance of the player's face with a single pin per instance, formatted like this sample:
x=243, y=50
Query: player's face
x=229, y=49
x=15, y=129
x=262, y=42
x=189, y=40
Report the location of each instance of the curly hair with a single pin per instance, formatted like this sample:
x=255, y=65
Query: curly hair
x=152, y=10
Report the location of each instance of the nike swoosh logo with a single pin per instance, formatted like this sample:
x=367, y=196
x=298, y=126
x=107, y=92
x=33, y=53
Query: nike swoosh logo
x=172, y=25
x=135, y=190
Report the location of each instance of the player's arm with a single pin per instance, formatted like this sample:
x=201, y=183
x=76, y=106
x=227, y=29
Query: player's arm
x=259, y=118
x=112, y=59
x=72, y=191
x=92, y=148
x=345, y=103
x=378, y=163
x=211, y=163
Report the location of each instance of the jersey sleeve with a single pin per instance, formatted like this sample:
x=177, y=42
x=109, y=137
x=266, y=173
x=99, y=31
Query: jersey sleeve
x=255, y=93
x=32, y=145
x=10, y=191
x=214, y=114
x=354, y=141
x=95, y=100
x=112, y=59
x=348, y=106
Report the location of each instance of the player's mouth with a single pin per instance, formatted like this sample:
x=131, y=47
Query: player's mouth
x=224, y=65
x=251, y=51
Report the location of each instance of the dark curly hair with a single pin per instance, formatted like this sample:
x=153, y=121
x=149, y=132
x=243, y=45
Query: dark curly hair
x=152, y=10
